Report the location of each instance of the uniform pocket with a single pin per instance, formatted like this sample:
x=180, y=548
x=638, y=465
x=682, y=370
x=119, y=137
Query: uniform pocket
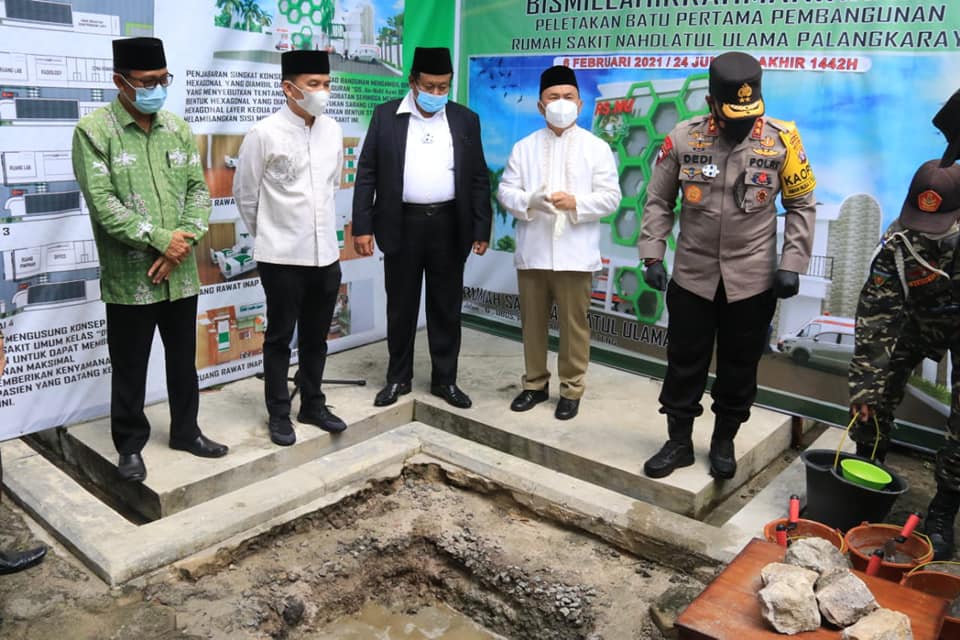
x=756, y=190
x=694, y=187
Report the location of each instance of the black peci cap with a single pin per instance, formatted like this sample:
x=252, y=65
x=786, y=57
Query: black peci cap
x=304, y=61
x=933, y=202
x=557, y=75
x=735, y=85
x=432, y=60
x=139, y=54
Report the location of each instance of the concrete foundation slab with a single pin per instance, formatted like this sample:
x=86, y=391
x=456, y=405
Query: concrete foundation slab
x=606, y=444
x=586, y=472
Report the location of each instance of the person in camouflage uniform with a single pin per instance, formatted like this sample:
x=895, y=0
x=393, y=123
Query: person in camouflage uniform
x=909, y=309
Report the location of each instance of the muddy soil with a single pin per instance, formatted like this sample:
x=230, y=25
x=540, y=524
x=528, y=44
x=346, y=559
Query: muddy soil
x=427, y=537
x=407, y=544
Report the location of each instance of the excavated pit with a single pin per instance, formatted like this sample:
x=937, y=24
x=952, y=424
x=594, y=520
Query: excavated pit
x=425, y=538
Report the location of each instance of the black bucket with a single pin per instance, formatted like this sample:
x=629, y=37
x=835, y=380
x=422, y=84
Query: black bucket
x=837, y=502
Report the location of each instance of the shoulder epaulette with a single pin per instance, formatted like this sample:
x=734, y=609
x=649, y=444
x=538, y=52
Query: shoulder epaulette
x=780, y=125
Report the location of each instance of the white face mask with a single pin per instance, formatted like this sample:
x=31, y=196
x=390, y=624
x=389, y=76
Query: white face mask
x=313, y=102
x=561, y=113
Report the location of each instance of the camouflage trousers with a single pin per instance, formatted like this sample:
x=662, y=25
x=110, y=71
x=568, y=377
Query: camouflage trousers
x=909, y=353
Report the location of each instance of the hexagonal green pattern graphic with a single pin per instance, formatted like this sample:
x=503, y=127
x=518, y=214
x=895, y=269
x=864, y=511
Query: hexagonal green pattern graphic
x=312, y=12
x=634, y=118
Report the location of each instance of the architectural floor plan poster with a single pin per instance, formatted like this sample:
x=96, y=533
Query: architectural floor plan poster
x=56, y=66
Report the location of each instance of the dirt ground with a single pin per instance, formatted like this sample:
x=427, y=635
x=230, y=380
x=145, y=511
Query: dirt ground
x=410, y=543
x=424, y=538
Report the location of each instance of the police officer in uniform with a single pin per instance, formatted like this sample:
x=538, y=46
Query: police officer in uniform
x=909, y=309
x=728, y=167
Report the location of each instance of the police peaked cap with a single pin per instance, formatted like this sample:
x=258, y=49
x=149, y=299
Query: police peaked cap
x=304, y=61
x=139, y=54
x=557, y=75
x=432, y=60
x=735, y=85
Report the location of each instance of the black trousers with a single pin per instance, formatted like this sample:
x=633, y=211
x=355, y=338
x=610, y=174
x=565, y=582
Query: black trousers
x=130, y=330
x=431, y=249
x=302, y=297
x=740, y=332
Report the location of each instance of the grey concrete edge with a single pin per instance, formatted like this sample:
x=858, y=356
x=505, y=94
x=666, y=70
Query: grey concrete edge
x=625, y=522
x=117, y=550
x=76, y=518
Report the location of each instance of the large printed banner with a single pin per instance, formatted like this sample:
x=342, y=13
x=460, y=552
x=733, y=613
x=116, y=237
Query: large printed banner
x=55, y=66
x=861, y=79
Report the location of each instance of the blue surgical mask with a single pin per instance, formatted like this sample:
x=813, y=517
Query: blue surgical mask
x=150, y=100
x=431, y=103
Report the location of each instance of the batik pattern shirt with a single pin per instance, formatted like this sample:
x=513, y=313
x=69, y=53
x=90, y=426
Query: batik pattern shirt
x=140, y=187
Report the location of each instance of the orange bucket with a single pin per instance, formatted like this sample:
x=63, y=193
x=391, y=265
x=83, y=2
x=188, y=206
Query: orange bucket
x=863, y=540
x=806, y=529
x=940, y=584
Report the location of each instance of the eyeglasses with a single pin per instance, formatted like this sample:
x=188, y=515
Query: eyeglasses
x=149, y=83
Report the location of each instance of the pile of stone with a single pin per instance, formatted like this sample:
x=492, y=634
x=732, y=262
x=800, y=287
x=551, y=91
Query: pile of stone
x=814, y=584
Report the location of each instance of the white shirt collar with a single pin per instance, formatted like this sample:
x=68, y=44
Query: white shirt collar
x=409, y=105
x=566, y=134
x=291, y=117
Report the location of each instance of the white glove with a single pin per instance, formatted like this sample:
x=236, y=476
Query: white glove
x=559, y=224
x=540, y=202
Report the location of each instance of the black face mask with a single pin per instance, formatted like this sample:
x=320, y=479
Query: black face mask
x=736, y=130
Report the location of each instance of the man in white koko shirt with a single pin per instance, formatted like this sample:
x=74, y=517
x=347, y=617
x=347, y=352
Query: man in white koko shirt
x=287, y=175
x=559, y=181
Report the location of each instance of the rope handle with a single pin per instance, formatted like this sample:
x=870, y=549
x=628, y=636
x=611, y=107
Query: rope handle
x=853, y=421
x=920, y=566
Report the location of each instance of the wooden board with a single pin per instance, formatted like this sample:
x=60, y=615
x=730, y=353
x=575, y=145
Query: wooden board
x=729, y=608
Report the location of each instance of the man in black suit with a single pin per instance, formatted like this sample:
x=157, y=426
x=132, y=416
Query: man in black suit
x=423, y=191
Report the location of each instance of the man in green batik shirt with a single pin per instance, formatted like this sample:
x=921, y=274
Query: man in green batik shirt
x=140, y=173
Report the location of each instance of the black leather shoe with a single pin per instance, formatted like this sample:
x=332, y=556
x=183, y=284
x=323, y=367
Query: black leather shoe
x=323, y=418
x=676, y=453
x=567, y=408
x=723, y=459
x=131, y=468
x=529, y=398
x=389, y=394
x=672, y=455
x=452, y=394
x=13, y=562
x=202, y=447
x=281, y=431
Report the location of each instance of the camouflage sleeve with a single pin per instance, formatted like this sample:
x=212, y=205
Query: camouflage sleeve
x=880, y=315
